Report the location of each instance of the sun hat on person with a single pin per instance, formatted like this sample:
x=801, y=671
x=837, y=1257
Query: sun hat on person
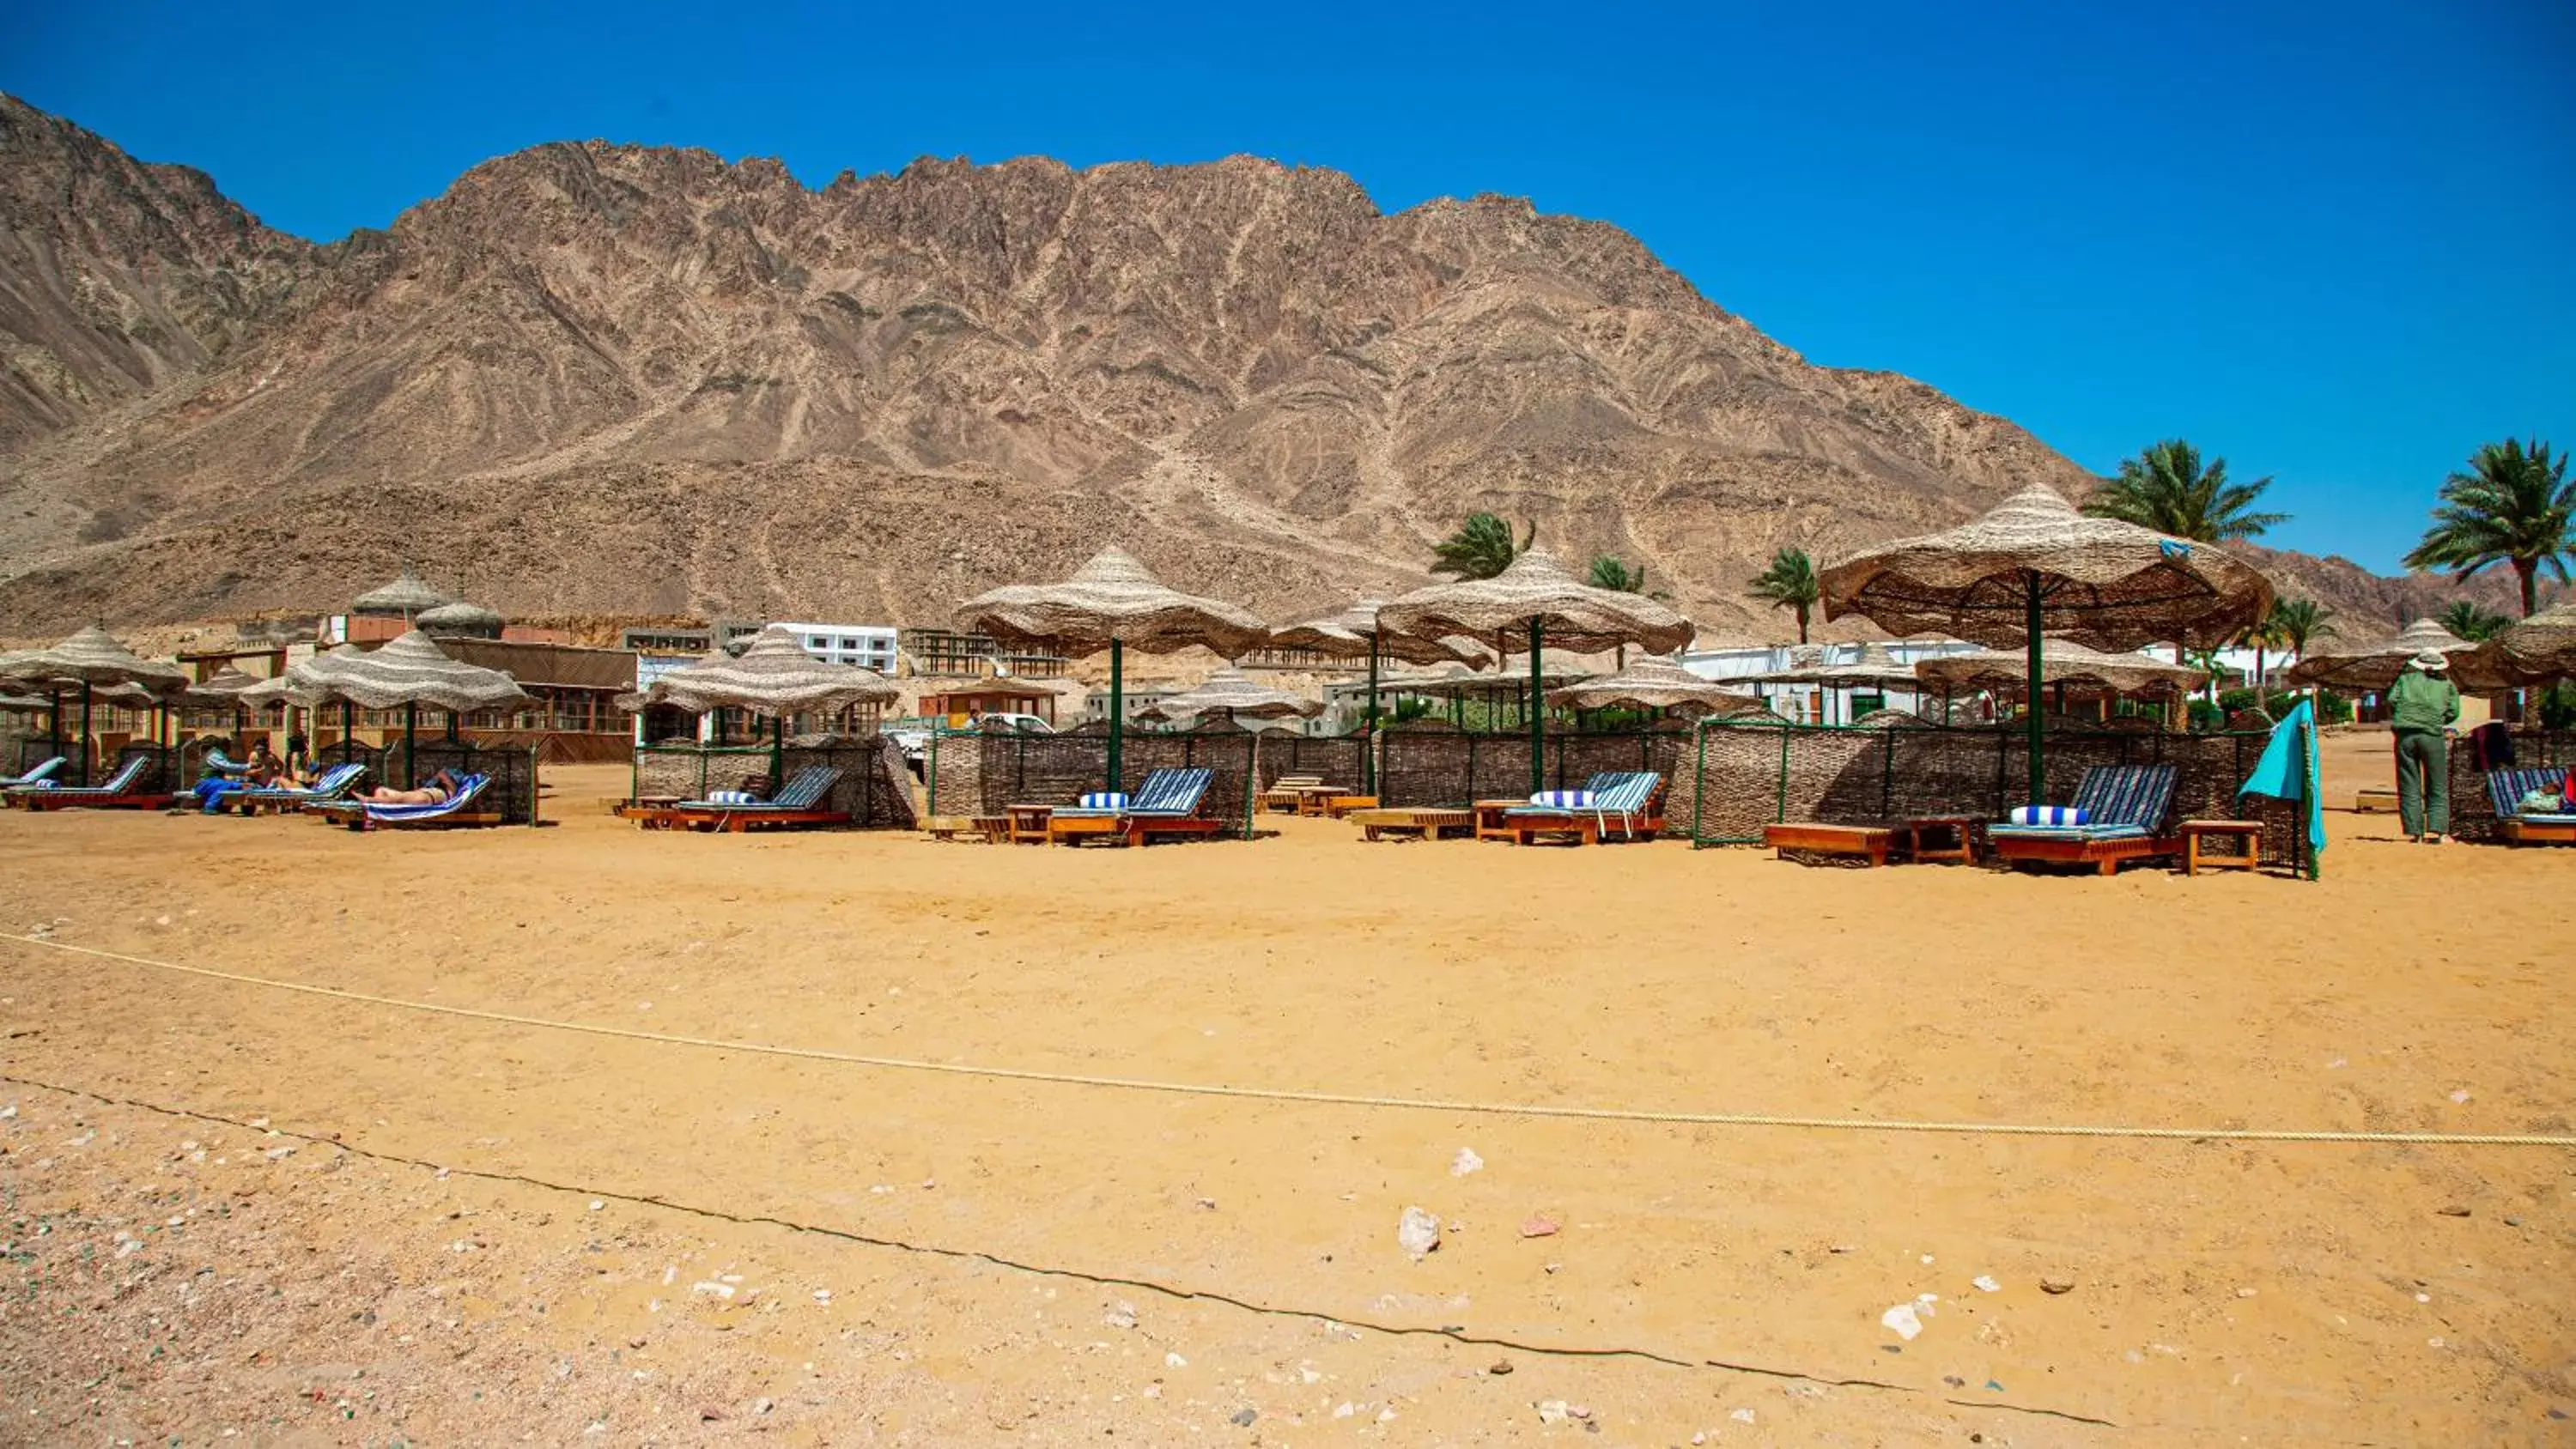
x=2430, y=661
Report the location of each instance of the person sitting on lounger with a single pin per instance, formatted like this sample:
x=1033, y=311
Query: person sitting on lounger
x=433, y=791
x=265, y=769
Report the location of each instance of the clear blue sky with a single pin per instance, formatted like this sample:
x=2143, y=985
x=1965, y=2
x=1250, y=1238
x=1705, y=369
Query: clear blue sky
x=2333, y=243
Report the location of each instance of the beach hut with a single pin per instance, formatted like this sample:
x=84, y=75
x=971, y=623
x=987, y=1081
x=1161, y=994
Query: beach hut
x=773, y=678
x=2034, y=567
x=1537, y=601
x=1230, y=693
x=1110, y=603
x=1655, y=682
x=91, y=659
x=409, y=671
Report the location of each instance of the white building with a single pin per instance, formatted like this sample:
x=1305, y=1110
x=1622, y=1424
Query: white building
x=869, y=646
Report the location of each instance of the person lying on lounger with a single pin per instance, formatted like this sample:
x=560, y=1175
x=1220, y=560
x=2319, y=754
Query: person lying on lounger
x=433, y=791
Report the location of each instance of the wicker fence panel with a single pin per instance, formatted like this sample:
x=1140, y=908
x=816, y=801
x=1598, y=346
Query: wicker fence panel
x=1442, y=767
x=1755, y=774
x=1058, y=769
x=875, y=788
x=513, y=771
x=2473, y=815
x=1338, y=758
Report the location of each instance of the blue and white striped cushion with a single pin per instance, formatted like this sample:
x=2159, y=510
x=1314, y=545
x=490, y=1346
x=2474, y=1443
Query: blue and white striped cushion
x=1563, y=799
x=1172, y=791
x=2050, y=815
x=732, y=797
x=1103, y=800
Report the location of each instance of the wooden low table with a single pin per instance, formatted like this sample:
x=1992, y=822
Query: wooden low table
x=1026, y=824
x=2375, y=800
x=1316, y=801
x=1339, y=807
x=1424, y=824
x=1917, y=831
x=990, y=829
x=1872, y=841
x=2197, y=857
x=1493, y=818
x=1075, y=829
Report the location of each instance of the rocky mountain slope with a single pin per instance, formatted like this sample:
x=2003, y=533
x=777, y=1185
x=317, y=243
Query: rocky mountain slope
x=597, y=379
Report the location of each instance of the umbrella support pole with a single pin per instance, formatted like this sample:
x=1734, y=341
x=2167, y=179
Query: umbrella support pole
x=1537, y=721
x=54, y=724
x=1117, y=712
x=85, y=735
x=777, y=751
x=1368, y=748
x=411, y=760
x=2030, y=623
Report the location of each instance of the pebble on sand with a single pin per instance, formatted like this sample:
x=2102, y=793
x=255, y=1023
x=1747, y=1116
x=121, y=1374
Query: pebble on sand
x=1418, y=1233
x=2054, y=1284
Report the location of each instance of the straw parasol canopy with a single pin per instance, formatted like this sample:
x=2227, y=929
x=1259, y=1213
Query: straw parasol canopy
x=409, y=670
x=460, y=620
x=1231, y=693
x=24, y=703
x=2097, y=581
x=2033, y=567
x=93, y=657
x=2377, y=663
x=1460, y=682
x=2007, y=672
x=408, y=596
x=1111, y=603
x=772, y=678
x=2538, y=650
x=1350, y=632
x=1874, y=668
x=1655, y=682
x=1536, y=594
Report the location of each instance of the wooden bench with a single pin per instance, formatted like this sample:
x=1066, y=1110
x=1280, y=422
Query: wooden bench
x=1026, y=824
x=2197, y=857
x=1424, y=824
x=1871, y=841
x=1338, y=807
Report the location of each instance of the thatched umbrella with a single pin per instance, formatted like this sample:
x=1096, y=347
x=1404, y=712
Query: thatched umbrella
x=1537, y=595
x=2538, y=650
x=407, y=596
x=2035, y=567
x=1231, y=693
x=1356, y=628
x=410, y=671
x=90, y=659
x=460, y=620
x=2006, y=672
x=1655, y=682
x=773, y=678
x=2376, y=663
x=227, y=686
x=1111, y=603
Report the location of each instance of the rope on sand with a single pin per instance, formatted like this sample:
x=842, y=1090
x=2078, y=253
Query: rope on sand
x=1339, y=1099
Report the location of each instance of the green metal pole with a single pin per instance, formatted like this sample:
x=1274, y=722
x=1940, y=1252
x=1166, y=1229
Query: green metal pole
x=777, y=751
x=85, y=759
x=54, y=723
x=1699, y=785
x=349, y=730
x=411, y=762
x=1537, y=719
x=1117, y=711
x=1368, y=753
x=2030, y=624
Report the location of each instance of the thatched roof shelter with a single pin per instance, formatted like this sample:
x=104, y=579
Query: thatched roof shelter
x=1112, y=600
x=1229, y=692
x=407, y=670
x=2097, y=581
x=408, y=597
x=1351, y=630
x=2006, y=672
x=772, y=678
x=2539, y=650
x=2376, y=663
x=1655, y=682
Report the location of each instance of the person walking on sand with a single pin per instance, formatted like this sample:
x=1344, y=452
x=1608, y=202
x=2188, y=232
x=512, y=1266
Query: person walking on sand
x=2421, y=705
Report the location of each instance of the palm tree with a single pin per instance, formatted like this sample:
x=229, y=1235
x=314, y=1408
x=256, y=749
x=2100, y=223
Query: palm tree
x=2467, y=621
x=2299, y=620
x=1609, y=573
x=2166, y=488
x=1790, y=583
x=1481, y=548
x=2514, y=506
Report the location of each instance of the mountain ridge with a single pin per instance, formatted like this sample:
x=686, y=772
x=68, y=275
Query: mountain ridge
x=593, y=377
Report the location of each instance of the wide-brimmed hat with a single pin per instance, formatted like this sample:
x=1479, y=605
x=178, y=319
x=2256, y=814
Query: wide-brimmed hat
x=2430, y=661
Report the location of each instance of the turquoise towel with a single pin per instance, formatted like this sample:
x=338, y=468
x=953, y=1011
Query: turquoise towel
x=2288, y=771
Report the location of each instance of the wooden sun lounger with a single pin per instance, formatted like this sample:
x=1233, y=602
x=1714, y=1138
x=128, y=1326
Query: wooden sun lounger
x=793, y=809
x=2506, y=789
x=1634, y=810
x=1422, y=824
x=2129, y=805
x=117, y=794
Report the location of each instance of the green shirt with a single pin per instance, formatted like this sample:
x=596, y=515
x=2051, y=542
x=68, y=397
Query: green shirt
x=2419, y=701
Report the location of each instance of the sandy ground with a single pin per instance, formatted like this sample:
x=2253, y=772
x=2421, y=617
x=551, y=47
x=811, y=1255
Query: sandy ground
x=236, y=1214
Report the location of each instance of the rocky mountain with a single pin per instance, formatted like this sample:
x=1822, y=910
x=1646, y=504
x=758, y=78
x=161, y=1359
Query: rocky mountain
x=596, y=379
